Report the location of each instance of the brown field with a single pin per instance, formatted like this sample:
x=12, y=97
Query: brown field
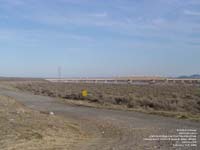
x=24, y=129
x=26, y=122
x=183, y=100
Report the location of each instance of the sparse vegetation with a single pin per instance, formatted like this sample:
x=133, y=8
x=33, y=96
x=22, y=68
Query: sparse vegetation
x=24, y=129
x=172, y=98
x=197, y=93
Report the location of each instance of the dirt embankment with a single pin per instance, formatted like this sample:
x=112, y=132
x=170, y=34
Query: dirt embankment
x=175, y=99
x=24, y=129
x=108, y=129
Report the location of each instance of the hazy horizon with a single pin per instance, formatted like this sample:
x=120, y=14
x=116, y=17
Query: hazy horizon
x=63, y=77
x=99, y=38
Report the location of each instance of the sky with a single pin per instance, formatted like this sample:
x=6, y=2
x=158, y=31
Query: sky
x=99, y=38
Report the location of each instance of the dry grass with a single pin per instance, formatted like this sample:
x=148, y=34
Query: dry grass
x=174, y=98
x=25, y=129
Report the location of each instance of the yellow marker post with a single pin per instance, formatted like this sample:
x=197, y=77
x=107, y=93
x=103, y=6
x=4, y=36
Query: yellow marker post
x=84, y=93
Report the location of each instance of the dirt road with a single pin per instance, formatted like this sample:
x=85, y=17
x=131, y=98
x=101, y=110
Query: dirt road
x=111, y=129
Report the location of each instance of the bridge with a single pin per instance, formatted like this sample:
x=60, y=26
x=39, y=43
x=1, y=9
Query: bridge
x=128, y=80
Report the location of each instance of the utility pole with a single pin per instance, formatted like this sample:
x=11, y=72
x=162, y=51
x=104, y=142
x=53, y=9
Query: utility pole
x=59, y=80
x=59, y=73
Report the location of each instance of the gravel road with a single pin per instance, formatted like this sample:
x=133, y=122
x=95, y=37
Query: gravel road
x=111, y=129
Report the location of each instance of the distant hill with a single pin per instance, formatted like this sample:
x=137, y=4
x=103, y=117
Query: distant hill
x=195, y=76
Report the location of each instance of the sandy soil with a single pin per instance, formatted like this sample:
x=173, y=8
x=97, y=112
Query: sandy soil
x=22, y=128
x=108, y=129
x=175, y=100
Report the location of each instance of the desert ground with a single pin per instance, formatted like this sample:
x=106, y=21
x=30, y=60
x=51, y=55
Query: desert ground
x=179, y=100
x=25, y=129
x=43, y=115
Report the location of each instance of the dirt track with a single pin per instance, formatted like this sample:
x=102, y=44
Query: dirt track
x=111, y=129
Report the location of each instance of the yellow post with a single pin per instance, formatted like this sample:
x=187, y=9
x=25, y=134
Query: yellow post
x=84, y=93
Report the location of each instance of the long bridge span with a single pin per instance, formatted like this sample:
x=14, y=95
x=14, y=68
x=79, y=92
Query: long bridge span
x=128, y=80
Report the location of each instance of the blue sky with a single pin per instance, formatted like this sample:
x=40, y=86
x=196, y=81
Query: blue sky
x=99, y=37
